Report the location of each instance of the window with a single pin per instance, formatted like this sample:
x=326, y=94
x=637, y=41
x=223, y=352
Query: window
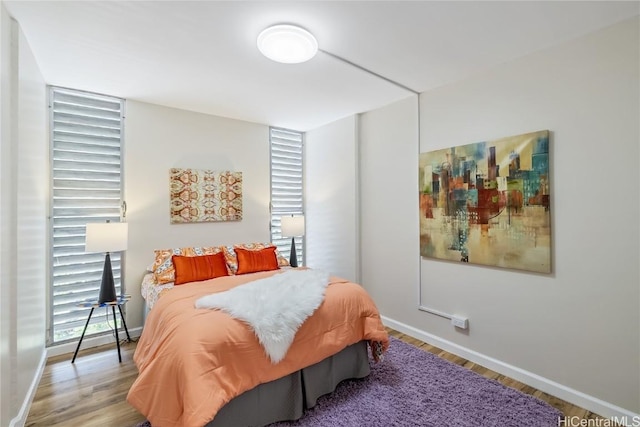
x=86, y=186
x=286, y=186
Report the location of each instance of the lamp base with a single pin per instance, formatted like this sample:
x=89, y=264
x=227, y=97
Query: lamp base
x=107, y=286
x=293, y=258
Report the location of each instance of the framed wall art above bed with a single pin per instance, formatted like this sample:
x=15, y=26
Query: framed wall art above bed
x=205, y=195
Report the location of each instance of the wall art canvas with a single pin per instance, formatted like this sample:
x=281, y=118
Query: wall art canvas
x=488, y=203
x=205, y=196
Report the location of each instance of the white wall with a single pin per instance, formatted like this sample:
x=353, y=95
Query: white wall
x=160, y=138
x=24, y=194
x=331, y=198
x=389, y=205
x=32, y=207
x=8, y=404
x=574, y=332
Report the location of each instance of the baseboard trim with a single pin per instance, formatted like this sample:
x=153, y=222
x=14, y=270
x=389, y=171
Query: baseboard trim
x=21, y=418
x=593, y=404
x=90, y=342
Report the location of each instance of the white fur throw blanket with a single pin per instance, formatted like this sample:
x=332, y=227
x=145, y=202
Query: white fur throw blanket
x=274, y=307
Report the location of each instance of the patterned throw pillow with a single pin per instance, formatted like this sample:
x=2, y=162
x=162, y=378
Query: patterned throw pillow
x=151, y=290
x=163, y=269
x=232, y=261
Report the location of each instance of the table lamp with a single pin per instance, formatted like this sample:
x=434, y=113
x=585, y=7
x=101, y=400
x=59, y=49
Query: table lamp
x=292, y=226
x=106, y=237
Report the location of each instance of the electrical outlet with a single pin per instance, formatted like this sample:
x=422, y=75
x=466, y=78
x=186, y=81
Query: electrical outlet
x=460, y=322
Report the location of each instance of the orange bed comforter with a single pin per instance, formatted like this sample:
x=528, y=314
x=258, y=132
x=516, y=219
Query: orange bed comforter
x=192, y=361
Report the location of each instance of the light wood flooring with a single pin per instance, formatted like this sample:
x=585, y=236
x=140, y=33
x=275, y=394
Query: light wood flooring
x=92, y=392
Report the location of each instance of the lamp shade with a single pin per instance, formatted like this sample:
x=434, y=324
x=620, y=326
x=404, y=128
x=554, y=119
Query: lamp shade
x=292, y=226
x=106, y=237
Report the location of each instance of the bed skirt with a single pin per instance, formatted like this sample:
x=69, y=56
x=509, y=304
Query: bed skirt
x=287, y=398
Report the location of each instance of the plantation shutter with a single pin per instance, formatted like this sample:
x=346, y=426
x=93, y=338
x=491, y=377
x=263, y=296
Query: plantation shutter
x=286, y=186
x=86, y=145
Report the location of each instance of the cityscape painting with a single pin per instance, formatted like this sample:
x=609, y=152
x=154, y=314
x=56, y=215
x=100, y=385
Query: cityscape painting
x=488, y=203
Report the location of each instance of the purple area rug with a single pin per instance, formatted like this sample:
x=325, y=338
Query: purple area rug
x=415, y=388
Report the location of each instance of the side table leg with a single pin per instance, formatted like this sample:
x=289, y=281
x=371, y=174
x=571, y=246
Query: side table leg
x=124, y=324
x=82, y=336
x=115, y=326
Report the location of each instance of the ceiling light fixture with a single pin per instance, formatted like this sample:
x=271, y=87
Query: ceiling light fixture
x=288, y=44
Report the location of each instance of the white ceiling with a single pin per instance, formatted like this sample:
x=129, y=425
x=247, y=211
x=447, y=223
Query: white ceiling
x=202, y=55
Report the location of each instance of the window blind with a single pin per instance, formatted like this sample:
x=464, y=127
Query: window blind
x=286, y=186
x=86, y=186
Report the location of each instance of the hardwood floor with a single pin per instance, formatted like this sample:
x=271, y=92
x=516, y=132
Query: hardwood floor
x=92, y=392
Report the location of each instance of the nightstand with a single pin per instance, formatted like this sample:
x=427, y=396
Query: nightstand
x=93, y=303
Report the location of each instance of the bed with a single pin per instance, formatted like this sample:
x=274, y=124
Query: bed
x=203, y=367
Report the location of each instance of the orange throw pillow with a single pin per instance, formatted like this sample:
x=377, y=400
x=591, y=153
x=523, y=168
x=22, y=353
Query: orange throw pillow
x=197, y=268
x=254, y=261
